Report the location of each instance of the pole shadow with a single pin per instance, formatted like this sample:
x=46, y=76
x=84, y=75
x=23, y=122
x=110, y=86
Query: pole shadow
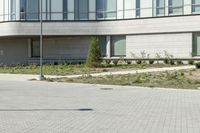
x=46, y=110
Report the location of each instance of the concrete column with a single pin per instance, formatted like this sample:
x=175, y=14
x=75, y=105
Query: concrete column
x=108, y=46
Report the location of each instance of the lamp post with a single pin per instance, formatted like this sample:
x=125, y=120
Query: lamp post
x=41, y=77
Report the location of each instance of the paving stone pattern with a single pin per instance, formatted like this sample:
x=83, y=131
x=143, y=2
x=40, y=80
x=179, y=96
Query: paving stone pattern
x=41, y=107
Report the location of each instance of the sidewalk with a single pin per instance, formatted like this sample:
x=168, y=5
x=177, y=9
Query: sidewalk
x=26, y=77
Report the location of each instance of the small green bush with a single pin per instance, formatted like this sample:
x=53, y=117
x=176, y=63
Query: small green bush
x=66, y=63
x=139, y=62
x=171, y=62
x=179, y=62
x=55, y=63
x=94, y=55
x=191, y=62
x=166, y=61
x=108, y=62
x=197, y=65
x=151, y=61
x=115, y=62
x=128, y=62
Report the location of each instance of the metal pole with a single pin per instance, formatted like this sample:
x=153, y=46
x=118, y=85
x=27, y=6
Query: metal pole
x=41, y=44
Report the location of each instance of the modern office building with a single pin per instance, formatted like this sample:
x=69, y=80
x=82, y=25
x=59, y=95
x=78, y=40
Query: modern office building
x=125, y=28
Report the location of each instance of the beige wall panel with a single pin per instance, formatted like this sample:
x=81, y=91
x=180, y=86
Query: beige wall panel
x=178, y=45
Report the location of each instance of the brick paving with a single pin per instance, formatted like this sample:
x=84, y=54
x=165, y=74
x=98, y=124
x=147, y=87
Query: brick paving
x=41, y=107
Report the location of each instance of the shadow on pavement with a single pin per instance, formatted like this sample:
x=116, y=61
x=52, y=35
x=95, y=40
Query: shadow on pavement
x=45, y=110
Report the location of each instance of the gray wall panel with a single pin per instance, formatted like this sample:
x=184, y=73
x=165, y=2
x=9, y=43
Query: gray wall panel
x=13, y=51
x=66, y=48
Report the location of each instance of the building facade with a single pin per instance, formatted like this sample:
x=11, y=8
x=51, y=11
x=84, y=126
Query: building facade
x=126, y=28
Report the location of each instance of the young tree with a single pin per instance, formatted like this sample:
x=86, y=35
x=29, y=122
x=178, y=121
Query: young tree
x=94, y=54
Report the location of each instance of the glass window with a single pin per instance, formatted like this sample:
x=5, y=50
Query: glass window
x=111, y=8
x=175, y=7
x=56, y=9
x=35, y=48
x=196, y=6
x=1, y=10
x=65, y=9
x=32, y=9
x=129, y=8
x=137, y=8
x=118, y=46
x=22, y=9
x=13, y=9
x=81, y=9
x=196, y=44
x=100, y=9
x=103, y=44
x=106, y=9
x=159, y=7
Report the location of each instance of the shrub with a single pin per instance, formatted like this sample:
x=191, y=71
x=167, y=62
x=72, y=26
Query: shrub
x=191, y=62
x=94, y=55
x=80, y=62
x=179, y=62
x=168, y=58
x=166, y=61
x=108, y=62
x=172, y=62
x=143, y=54
x=115, y=62
x=128, y=62
x=55, y=63
x=151, y=61
x=197, y=65
x=139, y=62
x=158, y=56
x=66, y=63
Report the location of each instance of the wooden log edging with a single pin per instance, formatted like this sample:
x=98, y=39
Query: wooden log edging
x=147, y=59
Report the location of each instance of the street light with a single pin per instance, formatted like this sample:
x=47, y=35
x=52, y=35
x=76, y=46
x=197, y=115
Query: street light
x=41, y=77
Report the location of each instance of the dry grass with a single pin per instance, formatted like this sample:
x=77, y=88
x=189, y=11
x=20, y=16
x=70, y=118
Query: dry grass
x=74, y=69
x=176, y=79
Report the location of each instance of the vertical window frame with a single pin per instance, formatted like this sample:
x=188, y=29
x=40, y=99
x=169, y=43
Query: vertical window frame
x=113, y=54
x=32, y=50
x=65, y=9
x=171, y=7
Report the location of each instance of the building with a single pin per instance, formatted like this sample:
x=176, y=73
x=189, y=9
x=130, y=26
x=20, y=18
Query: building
x=126, y=28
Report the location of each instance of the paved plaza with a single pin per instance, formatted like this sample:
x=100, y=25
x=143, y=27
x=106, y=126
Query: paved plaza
x=42, y=107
